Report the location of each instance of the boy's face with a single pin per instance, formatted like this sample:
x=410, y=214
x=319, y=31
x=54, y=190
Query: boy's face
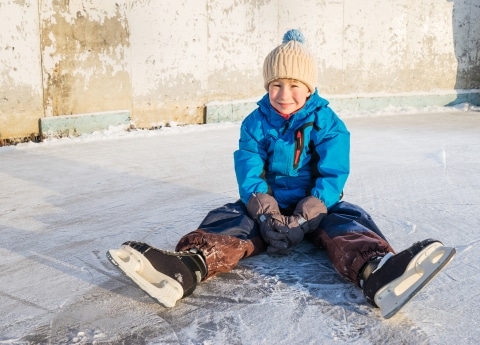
x=287, y=95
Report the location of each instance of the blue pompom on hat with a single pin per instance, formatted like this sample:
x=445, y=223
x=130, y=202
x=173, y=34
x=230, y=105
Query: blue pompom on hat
x=291, y=60
x=293, y=35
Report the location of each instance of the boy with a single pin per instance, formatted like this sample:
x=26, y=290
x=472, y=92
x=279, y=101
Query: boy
x=291, y=168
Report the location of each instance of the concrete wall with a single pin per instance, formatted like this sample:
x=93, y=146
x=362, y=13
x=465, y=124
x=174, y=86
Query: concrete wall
x=21, y=92
x=162, y=61
x=85, y=48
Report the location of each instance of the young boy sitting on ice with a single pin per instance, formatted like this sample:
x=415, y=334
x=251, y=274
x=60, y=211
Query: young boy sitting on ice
x=291, y=167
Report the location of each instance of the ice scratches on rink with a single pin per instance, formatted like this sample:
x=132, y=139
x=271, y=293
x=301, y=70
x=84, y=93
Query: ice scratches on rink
x=90, y=322
x=308, y=301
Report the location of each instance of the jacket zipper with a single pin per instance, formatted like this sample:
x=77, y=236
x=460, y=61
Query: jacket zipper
x=298, y=148
x=299, y=143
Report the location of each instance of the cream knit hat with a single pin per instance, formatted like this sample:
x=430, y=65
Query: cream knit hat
x=291, y=60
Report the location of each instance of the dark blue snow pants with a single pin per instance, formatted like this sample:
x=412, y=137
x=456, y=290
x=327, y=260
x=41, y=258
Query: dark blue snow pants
x=228, y=234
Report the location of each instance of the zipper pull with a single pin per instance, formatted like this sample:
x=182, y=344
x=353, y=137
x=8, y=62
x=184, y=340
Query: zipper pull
x=298, y=148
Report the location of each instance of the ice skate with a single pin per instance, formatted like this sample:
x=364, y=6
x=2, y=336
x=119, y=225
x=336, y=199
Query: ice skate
x=390, y=282
x=165, y=276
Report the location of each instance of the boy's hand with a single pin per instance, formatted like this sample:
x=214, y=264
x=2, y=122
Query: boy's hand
x=309, y=213
x=291, y=229
x=261, y=204
x=288, y=232
x=283, y=232
x=277, y=241
x=264, y=209
x=306, y=218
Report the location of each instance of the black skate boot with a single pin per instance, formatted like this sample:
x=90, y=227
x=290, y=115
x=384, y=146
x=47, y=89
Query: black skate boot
x=166, y=276
x=390, y=282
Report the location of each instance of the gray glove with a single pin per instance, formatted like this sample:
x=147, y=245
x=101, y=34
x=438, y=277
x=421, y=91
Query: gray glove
x=264, y=209
x=306, y=218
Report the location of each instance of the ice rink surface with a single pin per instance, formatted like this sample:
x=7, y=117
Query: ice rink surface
x=65, y=202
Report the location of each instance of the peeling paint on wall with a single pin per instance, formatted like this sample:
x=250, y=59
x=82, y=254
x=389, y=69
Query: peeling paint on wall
x=85, y=59
x=20, y=77
x=466, y=40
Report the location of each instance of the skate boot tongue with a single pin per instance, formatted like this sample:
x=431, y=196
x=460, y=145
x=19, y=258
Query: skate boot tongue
x=371, y=266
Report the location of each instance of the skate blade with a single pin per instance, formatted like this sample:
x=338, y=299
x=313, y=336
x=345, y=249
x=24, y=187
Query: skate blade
x=160, y=287
x=423, y=267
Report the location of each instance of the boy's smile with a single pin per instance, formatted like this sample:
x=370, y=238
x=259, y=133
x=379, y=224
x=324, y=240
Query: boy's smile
x=287, y=95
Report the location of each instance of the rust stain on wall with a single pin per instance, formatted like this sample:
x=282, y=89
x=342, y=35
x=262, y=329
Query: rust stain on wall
x=85, y=67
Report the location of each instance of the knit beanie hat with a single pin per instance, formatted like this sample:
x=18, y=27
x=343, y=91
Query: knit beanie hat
x=291, y=60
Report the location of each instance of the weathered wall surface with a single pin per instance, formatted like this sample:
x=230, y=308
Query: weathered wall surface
x=389, y=46
x=466, y=41
x=169, y=61
x=21, y=95
x=163, y=60
x=85, y=61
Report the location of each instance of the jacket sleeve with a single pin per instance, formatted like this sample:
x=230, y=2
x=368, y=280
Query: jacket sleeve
x=250, y=161
x=333, y=166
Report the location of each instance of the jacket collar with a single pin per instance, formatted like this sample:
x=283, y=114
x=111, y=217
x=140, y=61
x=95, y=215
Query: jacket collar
x=313, y=103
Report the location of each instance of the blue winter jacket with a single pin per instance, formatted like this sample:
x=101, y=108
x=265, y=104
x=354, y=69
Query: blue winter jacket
x=308, y=154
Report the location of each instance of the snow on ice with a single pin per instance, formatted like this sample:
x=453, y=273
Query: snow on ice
x=65, y=202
